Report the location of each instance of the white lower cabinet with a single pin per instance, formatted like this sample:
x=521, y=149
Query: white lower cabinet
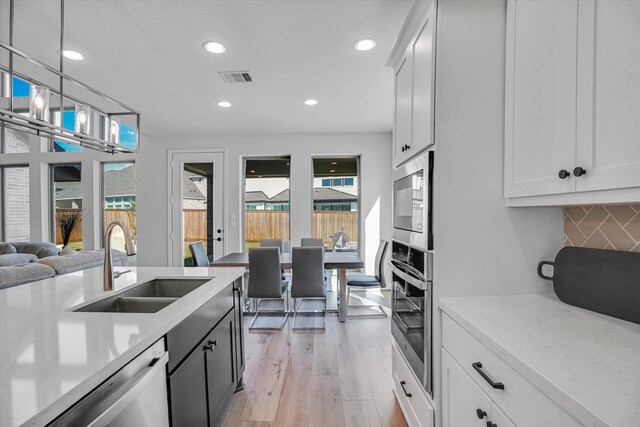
x=476, y=380
x=464, y=404
x=411, y=397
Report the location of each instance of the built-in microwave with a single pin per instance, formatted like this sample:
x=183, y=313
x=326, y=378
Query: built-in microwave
x=412, y=202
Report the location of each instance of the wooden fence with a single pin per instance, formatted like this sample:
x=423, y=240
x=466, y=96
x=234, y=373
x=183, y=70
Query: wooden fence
x=259, y=224
x=110, y=215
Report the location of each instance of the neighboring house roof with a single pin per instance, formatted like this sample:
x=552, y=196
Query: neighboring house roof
x=255, y=196
x=122, y=182
x=319, y=195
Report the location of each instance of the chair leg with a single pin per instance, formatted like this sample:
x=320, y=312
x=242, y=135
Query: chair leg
x=255, y=317
x=295, y=313
x=376, y=307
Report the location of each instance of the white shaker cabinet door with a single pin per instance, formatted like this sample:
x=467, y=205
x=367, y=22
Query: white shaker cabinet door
x=540, y=105
x=464, y=404
x=402, y=130
x=422, y=112
x=609, y=95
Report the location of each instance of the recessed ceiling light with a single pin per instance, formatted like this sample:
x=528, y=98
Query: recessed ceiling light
x=224, y=104
x=334, y=163
x=365, y=44
x=252, y=171
x=310, y=102
x=332, y=170
x=72, y=55
x=213, y=47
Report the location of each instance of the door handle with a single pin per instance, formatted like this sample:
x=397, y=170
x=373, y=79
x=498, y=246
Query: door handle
x=219, y=239
x=478, y=367
x=402, y=384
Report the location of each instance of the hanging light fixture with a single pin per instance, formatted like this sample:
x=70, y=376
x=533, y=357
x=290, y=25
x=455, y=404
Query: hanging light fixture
x=39, y=103
x=113, y=131
x=38, y=121
x=83, y=119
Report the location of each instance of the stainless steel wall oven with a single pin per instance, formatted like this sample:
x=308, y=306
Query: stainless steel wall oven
x=411, y=308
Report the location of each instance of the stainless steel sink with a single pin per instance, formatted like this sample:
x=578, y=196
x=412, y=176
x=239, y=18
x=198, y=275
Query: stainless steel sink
x=120, y=304
x=166, y=288
x=147, y=297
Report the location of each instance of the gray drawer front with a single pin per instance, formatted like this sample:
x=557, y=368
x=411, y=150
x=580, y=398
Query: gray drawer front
x=185, y=336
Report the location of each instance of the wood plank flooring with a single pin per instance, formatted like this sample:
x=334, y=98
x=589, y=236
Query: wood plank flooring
x=339, y=377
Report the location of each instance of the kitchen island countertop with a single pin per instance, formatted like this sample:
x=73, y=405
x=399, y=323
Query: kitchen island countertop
x=50, y=356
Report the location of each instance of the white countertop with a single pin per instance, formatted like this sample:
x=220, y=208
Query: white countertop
x=588, y=363
x=50, y=357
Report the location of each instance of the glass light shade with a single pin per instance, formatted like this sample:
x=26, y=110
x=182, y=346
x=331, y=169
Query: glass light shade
x=39, y=103
x=113, y=130
x=83, y=119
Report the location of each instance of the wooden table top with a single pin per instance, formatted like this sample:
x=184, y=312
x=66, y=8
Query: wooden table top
x=331, y=260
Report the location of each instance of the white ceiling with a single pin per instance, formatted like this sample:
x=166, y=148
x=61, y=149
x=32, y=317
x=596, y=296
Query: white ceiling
x=148, y=54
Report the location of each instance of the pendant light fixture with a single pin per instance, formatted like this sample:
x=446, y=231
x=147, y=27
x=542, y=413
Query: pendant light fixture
x=53, y=100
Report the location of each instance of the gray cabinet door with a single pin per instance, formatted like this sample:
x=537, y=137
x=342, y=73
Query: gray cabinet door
x=188, y=392
x=239, y=332
x=221, y=375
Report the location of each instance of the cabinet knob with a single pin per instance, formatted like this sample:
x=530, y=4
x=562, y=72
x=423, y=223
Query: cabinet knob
x=219, y=239
x=213, y=343
x=564, y=174
x=579, y=171
x=407, y=147
x=490, y=424
x=480, y=413
x=208, y=347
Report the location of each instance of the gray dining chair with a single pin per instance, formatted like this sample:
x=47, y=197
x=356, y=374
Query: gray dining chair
x=362, y=282
x=199, y=254
x=266, y=283
x=308, y=281
x=278, y=243
x=312, y=241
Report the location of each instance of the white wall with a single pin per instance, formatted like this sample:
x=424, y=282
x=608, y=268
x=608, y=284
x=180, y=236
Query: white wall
x=374, y=149
x=482, y=247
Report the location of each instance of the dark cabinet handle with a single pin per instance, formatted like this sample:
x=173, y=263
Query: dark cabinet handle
x=402, y=384
x=478, y=367
x=480, y=413
x=564, y=174
x=213, y=343
x=210, y=344
x=208, y=347
x=219, y=239
x=490, y=424
x=579, y=171
x=219, y=231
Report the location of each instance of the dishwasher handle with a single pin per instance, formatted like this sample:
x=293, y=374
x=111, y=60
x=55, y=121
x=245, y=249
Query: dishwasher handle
x=132, y=389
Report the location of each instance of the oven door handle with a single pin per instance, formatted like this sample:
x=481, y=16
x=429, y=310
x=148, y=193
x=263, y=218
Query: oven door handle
x=418, y=283
x=406, y=268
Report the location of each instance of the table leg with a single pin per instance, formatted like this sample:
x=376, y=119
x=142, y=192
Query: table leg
x=342, y=304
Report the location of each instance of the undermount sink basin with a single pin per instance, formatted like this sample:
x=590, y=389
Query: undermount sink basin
x=120, y=304
x=147, y=297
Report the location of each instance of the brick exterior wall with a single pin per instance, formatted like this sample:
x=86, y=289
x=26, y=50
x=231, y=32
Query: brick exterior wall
x=16, y=191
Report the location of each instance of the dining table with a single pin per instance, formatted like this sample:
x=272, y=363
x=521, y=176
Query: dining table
x=341, y=261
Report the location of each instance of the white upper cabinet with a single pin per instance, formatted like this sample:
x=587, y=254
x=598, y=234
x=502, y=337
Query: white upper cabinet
x=423, y=62
x=402, y=125
x=540, y=131
x=609, y=95
x=413, y=60
x=572, y=107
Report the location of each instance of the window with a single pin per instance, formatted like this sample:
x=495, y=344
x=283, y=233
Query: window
x=67, y=205
x=266, y=200
x=335, y=206
x=15, y=203
x=119, y=191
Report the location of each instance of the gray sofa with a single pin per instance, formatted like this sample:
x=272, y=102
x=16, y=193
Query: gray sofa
x=23, y=262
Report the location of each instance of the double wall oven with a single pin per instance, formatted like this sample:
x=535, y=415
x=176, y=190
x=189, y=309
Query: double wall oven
x=412, y=265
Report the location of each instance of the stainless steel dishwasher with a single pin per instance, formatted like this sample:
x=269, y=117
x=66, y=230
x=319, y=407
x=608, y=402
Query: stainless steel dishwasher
x=134, y=396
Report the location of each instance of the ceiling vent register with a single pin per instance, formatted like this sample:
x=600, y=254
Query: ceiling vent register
x=236, y=76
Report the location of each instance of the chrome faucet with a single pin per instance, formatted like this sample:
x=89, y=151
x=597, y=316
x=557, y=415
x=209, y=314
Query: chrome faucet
x=108, y=262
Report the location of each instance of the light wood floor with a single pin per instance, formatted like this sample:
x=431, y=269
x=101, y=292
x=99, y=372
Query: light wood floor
x=340, y=377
